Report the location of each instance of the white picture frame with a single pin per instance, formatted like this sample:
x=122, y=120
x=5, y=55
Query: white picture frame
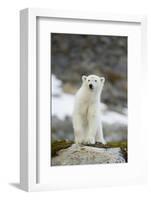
x=29, y=148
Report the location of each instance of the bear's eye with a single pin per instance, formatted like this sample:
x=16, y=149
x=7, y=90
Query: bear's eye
x=88, y=80
x=95, y=80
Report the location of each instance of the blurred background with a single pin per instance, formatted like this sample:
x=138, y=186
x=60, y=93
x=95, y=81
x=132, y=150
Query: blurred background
x=75, y=55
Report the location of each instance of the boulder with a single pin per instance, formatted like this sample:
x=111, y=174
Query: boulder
x=81, y=154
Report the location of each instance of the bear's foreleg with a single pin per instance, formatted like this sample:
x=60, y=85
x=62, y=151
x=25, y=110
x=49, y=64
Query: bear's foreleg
x=78, y=129
x=92, y=129
x=99, y=134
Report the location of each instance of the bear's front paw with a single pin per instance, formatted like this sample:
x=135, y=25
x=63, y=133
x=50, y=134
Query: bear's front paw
x=89, y=140
x=78, y=140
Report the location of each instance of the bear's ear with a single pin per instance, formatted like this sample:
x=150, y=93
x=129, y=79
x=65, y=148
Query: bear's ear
x=84, y=78
x=102, y=79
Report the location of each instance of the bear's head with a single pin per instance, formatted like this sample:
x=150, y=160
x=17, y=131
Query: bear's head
x=93, y=82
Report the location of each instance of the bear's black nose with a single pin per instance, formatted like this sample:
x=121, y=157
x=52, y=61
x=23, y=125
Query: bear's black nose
x=91, y=86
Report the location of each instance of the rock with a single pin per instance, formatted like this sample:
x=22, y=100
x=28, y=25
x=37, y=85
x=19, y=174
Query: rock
x=81, y=154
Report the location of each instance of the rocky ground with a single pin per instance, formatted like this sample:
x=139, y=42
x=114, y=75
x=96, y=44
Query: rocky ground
x=67, y=153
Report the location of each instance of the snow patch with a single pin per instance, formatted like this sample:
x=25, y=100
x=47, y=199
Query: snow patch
x=62, y=103
x=111, y=117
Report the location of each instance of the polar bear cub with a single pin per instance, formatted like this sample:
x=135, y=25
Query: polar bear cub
x=87, y=114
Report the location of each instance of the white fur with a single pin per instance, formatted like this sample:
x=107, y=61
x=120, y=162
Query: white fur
x=87, y=116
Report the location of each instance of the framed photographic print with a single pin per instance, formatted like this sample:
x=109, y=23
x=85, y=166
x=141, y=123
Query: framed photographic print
x=81, y=84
